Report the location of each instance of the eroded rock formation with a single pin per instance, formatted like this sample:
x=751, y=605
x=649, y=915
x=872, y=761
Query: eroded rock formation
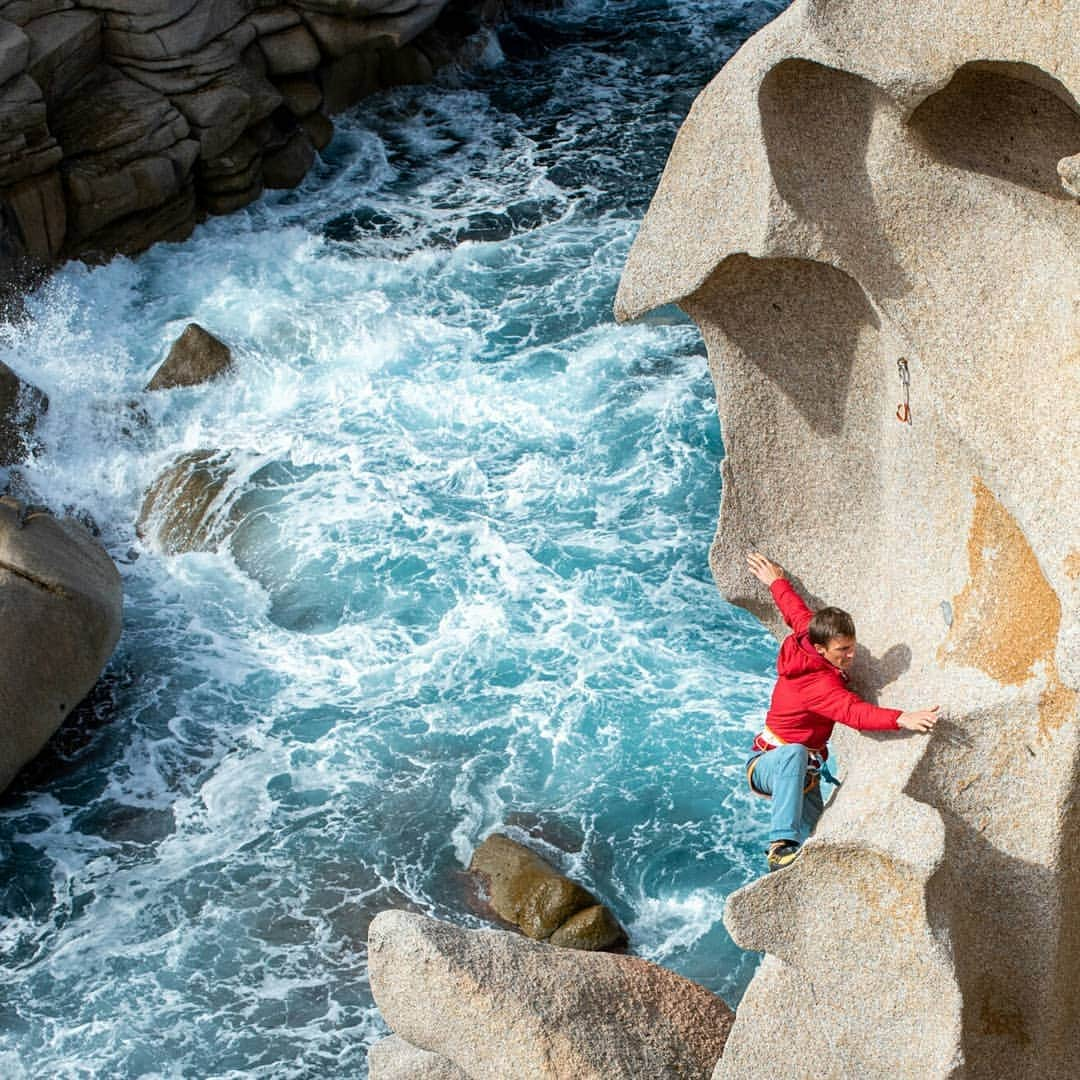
x=124, y=123
x=490, y=1005
x=60, y=606
x=861, y=186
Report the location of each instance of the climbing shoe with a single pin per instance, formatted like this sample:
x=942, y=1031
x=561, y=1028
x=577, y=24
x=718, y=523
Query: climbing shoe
x=782, y=853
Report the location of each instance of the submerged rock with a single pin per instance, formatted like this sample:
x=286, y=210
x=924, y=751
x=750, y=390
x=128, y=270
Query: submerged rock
x=497, y=1005
x=60, y=610
x=529, y=892
x=195, y=357
x=184, y=508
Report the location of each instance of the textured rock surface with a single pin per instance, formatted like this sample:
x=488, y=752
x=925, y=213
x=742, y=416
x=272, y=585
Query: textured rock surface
x=60, y=604
x=857, y=186
x=195, y=357
x=498, y=1005
x=393, y=1058
x=185, y=508
x=20, y=406
x=526, y=890
x=124, y=123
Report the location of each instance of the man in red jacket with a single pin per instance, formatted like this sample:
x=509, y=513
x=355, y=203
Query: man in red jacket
x=809, y=698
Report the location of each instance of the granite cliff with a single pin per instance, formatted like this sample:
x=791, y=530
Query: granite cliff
x=123, y=123
x=869, y=209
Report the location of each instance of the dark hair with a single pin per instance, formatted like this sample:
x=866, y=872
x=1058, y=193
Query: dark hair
x=828, y=623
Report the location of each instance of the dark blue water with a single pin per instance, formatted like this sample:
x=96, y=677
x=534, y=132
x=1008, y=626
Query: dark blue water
x=468, y=589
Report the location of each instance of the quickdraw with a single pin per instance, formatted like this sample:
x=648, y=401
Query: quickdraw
x=903, y=410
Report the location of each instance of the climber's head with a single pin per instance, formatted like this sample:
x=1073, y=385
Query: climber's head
x=832, y=633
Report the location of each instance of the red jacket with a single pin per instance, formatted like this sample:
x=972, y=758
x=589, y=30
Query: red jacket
x=811, y=695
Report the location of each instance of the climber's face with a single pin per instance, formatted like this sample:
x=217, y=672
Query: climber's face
x=840, y=652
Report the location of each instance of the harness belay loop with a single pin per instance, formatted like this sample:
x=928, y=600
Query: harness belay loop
x=817, y=768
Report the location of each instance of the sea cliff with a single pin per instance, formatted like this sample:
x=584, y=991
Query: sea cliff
x=872, y=215
x=125, y=123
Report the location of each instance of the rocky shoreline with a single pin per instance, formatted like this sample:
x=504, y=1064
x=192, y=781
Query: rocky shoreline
x=122, y=124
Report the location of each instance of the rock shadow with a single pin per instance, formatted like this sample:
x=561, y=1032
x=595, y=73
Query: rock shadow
x=802, y=324
x=870, y=675
x=991, y=907
x=816, y=122
x=1011, y=121
x=1011, y=922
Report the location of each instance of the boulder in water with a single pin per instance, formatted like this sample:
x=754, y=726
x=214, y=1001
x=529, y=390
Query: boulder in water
x=195, y=357
x=60, y=609
x=593, y=928
x=498, y=1005
x=529, y=892
x=183, y=510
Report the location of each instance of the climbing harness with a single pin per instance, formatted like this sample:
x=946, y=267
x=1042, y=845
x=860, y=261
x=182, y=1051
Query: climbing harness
x=903, y=410
x=816, y=771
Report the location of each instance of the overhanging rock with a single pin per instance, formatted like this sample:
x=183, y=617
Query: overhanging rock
x=861, y=186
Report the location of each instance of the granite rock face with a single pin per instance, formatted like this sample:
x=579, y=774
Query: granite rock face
x=125, y=123
x=497, y=1005
x=862, y=186
x=60, y=602
x=393, y=1058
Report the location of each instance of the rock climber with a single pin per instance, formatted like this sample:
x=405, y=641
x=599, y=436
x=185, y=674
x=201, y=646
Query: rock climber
x=810, y=696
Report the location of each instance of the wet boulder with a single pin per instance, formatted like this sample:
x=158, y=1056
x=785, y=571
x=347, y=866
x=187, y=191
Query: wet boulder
x=195, y=357
x=184, y=509
x=60, y=610
x=497, y=1005
x=288, y=158
x=20, y=406
x=593, y=928
x=526, y=890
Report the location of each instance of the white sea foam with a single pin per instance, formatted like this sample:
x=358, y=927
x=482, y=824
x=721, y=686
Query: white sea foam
x=470, y=580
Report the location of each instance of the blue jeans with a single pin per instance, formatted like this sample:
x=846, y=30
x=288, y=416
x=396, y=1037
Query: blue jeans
x=781, y=773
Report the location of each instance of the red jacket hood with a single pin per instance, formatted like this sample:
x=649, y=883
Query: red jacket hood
x=799, y=657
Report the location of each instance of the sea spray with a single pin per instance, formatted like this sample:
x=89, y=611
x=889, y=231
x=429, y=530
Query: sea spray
x=466, y=576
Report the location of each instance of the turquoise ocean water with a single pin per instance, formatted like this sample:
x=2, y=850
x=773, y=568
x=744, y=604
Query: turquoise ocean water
x=469, y=588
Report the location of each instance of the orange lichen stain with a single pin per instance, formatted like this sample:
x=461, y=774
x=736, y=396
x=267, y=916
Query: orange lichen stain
x=1072, y=564
x=1007, y=617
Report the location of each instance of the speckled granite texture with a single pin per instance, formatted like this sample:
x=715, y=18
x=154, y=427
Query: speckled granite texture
x=864, y=184
x=499, y=1006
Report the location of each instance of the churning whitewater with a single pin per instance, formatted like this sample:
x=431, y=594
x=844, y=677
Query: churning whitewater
x=468, y=587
